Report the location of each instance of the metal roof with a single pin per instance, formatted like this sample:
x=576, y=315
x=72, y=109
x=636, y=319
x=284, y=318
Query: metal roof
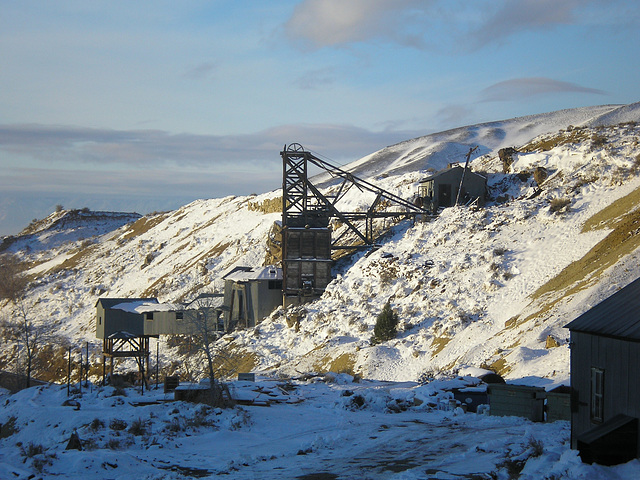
x=109, y=302
x=618, y=316
x=247, y=274
x=454, y=171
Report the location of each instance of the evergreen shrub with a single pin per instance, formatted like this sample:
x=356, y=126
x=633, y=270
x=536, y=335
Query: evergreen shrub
x=386, y=325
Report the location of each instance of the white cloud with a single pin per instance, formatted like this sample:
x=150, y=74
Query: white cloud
x=440, y=24
x=323, y=23
x=518, y=88
x=508, y=18
x=142, y=148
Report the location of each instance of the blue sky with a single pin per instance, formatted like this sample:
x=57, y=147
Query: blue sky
x=147, y=105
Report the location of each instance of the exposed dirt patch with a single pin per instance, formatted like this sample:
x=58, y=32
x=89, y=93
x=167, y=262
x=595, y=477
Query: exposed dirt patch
x=230, y=360
x=269, y=205
x=143, y=225
x=342, y=364
x=575, y=135
x=76, y=259
x=613, y=214
x=438, y=344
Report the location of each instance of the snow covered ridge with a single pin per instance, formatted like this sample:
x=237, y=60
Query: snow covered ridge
x=468, y=287
x=66, y=226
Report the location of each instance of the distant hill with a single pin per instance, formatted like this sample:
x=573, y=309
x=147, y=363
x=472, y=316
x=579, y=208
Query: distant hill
x=487, y=288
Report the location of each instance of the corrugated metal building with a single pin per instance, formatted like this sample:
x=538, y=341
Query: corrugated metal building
x=146, y=317
x=177, y=319
x=441, y=189
x=306, y=262
x=115, y=315
x=605, y=378
x=250, y=294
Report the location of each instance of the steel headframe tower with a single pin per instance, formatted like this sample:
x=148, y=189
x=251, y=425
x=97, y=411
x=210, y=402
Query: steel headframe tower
x=306, y=235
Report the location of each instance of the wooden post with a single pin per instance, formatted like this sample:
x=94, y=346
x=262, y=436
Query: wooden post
x=69, y=372
x=86, y=384
x=80, y=378
x=466, y=165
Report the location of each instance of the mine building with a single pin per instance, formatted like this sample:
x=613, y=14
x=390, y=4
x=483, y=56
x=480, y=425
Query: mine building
x=117, y=315
x=308, y=239
x=443, y=188
x=125, y=325
x=605, y=367
x=120, y=326
x=250, y=294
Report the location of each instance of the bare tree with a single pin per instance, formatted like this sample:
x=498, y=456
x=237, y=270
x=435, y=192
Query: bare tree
x=28, y=337
x=12, y=279
x=202, y=318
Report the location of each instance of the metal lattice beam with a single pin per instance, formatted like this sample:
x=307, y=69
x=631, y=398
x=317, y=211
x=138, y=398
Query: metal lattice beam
x=304, y=205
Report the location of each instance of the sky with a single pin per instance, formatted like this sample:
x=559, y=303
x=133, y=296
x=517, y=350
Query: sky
x=147, y=105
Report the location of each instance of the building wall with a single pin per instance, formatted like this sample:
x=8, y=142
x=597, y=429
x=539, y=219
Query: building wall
x=249, y=302
x=620, y=361
x=100, y=321
x=268, y=299
x=306, y=260
x=442, y=189
x=165, y=323
x=110, y=321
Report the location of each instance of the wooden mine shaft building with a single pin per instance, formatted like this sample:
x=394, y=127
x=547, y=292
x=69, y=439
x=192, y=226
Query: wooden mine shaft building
x=306, y=237
x=121, y=330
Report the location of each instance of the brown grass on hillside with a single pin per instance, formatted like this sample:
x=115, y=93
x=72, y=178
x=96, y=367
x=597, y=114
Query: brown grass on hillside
x=564, y=137
x=143, y=225
x=623, y=217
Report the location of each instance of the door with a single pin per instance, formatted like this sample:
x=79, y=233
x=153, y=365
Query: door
x=444, y=195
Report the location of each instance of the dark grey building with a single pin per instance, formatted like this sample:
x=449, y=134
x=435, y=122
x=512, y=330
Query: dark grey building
x=605, y=373
x=114, y=315
x=307, y=263
x=441, y=189
x=250, y=294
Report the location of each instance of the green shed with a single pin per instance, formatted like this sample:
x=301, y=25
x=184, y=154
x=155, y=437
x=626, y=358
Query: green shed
x=517, y=400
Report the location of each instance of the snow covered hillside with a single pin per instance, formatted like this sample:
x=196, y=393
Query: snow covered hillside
x=486, y=288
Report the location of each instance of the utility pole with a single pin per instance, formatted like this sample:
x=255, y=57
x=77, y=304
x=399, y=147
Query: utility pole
x=466, y=165
x=69, y=372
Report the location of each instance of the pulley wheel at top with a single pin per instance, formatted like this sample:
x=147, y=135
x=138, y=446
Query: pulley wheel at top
x=295, y=147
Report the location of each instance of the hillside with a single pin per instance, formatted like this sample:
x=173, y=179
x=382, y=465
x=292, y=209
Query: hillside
x=484, y=288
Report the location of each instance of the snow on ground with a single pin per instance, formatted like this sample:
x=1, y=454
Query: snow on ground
x=323, y=427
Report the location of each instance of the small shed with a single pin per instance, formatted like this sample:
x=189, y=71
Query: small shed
x=605, y=367
x=517, y=400
x=115, y=315
x=559, y=404
x=250, y=294
x=441, y=189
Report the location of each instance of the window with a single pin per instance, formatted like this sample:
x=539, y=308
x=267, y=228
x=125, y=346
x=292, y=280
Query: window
x=179, y=315
x=149, y=315
x=597, y=394
x=275, y=284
